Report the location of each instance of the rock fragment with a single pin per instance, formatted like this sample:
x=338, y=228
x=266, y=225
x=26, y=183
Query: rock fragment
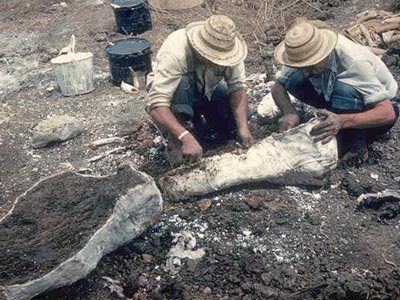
x=57, y=128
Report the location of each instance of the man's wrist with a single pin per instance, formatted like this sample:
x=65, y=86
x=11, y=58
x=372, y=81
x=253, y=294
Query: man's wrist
x=244, y=128
x=180, y=137
x=347, y=120
x=188, y=137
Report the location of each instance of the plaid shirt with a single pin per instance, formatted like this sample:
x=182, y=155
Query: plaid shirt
x=176, y=59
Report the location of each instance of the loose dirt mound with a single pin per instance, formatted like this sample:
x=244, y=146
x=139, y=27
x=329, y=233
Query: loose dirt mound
x=54, y=220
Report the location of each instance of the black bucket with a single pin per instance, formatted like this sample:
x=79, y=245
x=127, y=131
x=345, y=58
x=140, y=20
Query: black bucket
x=130, y=52
x=131, y=16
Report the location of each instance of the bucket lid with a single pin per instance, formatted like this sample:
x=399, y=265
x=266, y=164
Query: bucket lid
x=125, y=3
x=67, y=58
x=128, y=46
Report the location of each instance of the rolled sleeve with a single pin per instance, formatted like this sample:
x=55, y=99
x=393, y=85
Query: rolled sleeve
x=283, y=75
x=235, y=78
x=163, y=81
x=364, y=78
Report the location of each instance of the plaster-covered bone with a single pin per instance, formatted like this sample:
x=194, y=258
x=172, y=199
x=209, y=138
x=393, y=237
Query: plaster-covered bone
x=291, y=158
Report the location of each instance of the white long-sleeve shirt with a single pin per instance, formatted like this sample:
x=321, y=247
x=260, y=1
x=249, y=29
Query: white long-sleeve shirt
x=176, y=59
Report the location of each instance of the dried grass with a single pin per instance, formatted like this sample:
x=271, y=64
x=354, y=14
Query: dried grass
x=256, y=17
x=274, y=14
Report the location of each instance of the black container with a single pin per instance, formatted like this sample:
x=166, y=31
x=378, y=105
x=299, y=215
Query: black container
x=130, y=52
x=131, y=16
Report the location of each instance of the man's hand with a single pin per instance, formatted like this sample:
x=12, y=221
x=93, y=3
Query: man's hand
x=288, y=121
x=245, y=137
x=191, y=149
x=327, y=129
x=239, y=106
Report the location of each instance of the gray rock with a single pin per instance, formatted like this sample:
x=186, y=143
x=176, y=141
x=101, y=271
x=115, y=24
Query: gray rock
x=55, y=129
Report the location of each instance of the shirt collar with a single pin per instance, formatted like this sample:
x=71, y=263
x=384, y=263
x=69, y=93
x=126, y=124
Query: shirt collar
x=332, y=62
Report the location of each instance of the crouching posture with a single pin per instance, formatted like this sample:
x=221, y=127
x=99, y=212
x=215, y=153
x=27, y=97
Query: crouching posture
x=186, y=89
x=351, y=85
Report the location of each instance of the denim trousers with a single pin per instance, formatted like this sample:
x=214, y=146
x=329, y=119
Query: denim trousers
x=193, y=105
x=344, y=99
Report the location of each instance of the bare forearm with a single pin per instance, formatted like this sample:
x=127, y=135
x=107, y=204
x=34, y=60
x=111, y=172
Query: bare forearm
x=238, y=102
x=282, y=100
x=164, y=117
x=380, y=114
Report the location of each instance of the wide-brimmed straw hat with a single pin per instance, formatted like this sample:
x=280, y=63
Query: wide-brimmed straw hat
x=305, y=45
x=217, y=40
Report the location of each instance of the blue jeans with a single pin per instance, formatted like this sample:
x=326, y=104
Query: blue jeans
x=192, y=104
x=344, y=99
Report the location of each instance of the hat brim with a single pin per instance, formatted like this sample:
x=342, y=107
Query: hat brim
x=222, y=58
x=329, y=43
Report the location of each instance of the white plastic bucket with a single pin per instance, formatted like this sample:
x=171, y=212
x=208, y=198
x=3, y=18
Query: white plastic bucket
x=74, y=71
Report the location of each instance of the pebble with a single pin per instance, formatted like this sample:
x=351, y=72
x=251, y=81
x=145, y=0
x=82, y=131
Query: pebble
x=205, y=204
x=147, y=258
x=255, y=203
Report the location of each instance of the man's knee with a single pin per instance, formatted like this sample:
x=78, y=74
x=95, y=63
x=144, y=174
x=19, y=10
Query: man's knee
x=295, y=83
x=220, y=92
x=182, y=100
x=346, y=98
x=184, y=92
x=302, y=89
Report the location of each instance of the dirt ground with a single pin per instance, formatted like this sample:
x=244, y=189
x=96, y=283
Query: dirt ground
x=261, y=242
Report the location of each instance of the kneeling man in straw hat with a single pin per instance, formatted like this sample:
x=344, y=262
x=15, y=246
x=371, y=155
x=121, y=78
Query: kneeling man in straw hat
x=352, y=87
x=199, y=76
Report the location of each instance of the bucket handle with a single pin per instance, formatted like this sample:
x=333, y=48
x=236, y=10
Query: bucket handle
x=72, y=44
x=70, y=49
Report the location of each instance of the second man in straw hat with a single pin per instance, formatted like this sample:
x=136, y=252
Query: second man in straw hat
x=351, y=85
x=199, y=79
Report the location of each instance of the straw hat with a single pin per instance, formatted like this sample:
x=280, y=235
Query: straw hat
x=305, y=45
x=217, y=40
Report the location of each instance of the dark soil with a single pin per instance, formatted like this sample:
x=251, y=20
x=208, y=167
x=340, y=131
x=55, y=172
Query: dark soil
x=55, y=220
x=295, y=247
